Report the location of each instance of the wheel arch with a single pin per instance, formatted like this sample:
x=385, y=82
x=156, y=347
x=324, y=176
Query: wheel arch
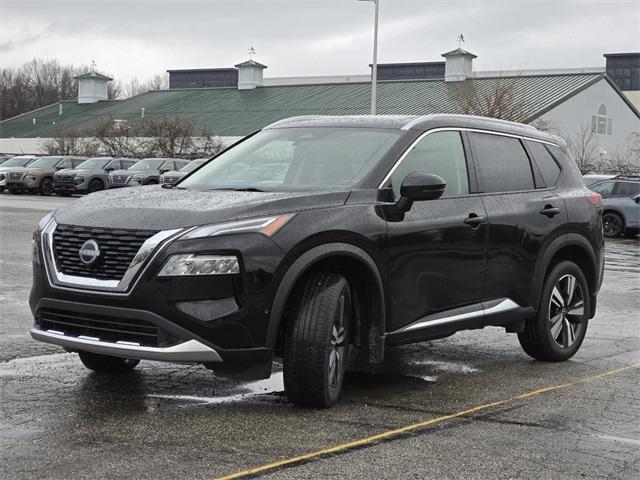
x=573, y=247
x=365, y=279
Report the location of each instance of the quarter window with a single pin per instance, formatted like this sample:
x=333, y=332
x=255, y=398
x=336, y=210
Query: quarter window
x=548, y=167
x=626, y=189
x=501, y=163
x=603, y=188
x=439, y=153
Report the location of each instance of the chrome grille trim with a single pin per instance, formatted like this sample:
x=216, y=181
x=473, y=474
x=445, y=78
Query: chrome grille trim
x=148, y=251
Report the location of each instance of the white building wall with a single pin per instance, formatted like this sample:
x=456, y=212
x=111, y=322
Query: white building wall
x=576, y=113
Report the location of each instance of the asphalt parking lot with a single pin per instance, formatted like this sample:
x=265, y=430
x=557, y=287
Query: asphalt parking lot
x=469, y=406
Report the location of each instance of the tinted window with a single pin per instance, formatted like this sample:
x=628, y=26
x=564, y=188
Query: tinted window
x=502, y=164
x=441, y=154
x=603, y=188
x=549, y=169
x=626, y=189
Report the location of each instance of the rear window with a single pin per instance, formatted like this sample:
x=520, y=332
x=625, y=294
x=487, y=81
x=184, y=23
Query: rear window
x=502, y=164
x=626, y=189
x=547, y=165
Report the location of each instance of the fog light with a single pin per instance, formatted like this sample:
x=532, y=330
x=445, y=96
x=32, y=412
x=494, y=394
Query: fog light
x=193, y=264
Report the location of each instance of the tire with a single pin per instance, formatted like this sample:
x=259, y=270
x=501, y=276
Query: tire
x=557, y=331
x=95, y=185
x=152, y=182
x=46, y=187
x=106, y=364
x=612, y=224
x=316, y=342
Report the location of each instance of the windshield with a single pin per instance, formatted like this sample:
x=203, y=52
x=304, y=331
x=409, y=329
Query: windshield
x=296, y=159
x=191, y=166
x=148, y=164
x=46, y=162
x=94, y=163
x=17, y=162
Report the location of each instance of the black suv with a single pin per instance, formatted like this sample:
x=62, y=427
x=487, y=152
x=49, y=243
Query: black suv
x=376, y=231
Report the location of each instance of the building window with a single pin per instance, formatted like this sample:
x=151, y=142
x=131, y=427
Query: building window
x=600, y=123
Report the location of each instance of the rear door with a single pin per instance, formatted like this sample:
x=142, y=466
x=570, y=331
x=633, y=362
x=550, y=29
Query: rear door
x=437, y=249
x=523, y=213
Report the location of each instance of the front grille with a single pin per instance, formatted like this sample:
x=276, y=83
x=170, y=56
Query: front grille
x=63, y=179
x=103, y=327
x=117, y=249
x=120, y=179
x=169, y=180
x=15, y=176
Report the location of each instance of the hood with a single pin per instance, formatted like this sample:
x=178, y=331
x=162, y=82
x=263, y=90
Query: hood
x=13, y=169
x=72, y=171
x=135, y=172
x=157, y=208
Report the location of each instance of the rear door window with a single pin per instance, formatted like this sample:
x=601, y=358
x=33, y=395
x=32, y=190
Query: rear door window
x=549, y=168
x=626, y=189
x=439, y=153
x=502, y=164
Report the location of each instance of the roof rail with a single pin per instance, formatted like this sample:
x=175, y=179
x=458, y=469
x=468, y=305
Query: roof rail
x=421, y=118
x=631, y=176
x=289, y=119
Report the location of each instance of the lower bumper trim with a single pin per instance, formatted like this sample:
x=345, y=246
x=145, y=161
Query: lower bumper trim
x=189, y=351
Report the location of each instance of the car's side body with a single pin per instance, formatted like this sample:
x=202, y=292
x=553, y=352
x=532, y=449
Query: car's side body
x=463, y=261
x=11, y=163
x=620, y=194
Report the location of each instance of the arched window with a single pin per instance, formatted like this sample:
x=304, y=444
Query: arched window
x=600, y=123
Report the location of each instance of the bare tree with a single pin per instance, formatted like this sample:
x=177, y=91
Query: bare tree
x=582, y=147
x=625, y=160
x=136, y=87
x=116, y=137
x=70, y=142
x=494, y=97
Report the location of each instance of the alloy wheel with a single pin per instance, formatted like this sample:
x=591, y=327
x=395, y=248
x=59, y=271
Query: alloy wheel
x=566, y=311
x=338, y=346
x=611, y=225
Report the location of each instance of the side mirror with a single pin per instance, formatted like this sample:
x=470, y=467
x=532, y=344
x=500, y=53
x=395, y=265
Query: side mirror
x=109, y=169
x=60, y=167
x=637, y=199
x=422, y=186
x=164, y=170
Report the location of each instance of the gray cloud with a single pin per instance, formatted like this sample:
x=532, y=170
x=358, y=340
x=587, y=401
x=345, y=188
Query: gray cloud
x=311, y=37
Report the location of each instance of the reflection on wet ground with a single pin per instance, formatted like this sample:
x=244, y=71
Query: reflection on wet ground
x=622, y=260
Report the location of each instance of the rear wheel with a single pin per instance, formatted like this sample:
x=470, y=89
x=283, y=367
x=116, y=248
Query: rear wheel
x=95, y=185
x=46, y=187
x=107, y=364
x=612, y=224
x=316, y=342
x=557, y=331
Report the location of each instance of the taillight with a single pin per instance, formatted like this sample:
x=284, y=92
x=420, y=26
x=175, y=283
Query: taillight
x=595, y=199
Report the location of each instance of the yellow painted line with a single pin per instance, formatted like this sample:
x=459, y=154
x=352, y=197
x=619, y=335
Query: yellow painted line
x=410, y=428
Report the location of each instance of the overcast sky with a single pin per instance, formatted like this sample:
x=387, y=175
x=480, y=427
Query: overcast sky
x=130, y=38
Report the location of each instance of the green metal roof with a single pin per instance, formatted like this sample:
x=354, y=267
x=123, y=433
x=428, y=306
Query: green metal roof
x=233, y=112
x=93, y=75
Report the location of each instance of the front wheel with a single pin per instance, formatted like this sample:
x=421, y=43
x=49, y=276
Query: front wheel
x=316, y=342
x=46, y=187
x=556, y=333
x=106, y=364
x=612, y=224
x=95, y=186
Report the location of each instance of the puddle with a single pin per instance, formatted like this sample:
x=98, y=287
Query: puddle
x=269, y=386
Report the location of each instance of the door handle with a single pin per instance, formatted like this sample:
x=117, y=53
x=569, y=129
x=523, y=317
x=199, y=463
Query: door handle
x=550, y=211
x=474, y=221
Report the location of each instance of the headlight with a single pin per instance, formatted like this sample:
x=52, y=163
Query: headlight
x=267, y=226
x=193, y=264
x=78, y=180
x=29, y=178
x=1, y=176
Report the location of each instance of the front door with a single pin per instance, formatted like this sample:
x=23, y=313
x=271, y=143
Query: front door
x=437, y=250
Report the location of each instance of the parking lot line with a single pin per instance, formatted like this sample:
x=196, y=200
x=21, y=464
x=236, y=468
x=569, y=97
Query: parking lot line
x=397, y=432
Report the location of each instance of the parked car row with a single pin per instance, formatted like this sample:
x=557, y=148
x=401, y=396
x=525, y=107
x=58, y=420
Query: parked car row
x=66, y=175
x=621, y=197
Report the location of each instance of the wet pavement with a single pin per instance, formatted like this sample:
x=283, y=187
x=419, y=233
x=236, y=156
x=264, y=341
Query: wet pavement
x=60, y=421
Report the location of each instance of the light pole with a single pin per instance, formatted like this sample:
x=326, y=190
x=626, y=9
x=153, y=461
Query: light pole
x=374, y=64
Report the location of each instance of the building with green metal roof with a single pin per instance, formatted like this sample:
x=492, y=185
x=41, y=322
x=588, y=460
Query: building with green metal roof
x=563, y=101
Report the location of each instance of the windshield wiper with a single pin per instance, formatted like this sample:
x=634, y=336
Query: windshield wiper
x=240, y=189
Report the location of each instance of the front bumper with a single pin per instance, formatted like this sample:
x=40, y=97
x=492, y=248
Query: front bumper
x=21, y=185
x=189, y=351
x=221, y=320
